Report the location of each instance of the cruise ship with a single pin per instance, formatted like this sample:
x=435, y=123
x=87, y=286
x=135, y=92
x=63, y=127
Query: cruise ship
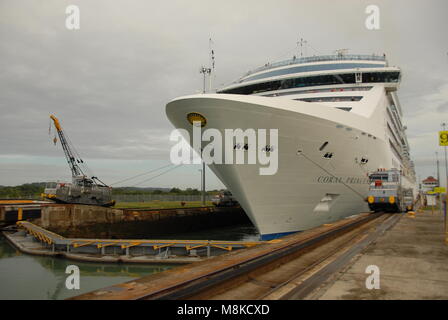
x=338, y=119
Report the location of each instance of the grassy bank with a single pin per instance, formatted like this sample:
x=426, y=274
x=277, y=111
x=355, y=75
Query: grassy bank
x=160, y=204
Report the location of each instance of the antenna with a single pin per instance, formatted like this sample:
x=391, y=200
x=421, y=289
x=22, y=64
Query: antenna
x=446, y=163
x=438, y=173
x=212, y=60
x=208, y=70
x=212, y=54
x=301, y=43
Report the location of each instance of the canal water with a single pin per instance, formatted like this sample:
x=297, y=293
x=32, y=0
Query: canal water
x=25, y=276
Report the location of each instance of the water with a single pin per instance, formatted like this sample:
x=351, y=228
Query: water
x=25, y=276
x=243, y=232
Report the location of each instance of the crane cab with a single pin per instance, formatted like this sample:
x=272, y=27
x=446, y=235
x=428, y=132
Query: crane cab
x=82, y=190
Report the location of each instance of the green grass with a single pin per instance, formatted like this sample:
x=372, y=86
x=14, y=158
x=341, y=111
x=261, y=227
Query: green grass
x=160, y=204
x=429, y=208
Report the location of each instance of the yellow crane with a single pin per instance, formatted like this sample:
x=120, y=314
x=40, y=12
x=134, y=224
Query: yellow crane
x=82, y=190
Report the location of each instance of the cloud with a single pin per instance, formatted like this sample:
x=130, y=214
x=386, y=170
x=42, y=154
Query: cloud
x=109, y=82
x=443, y=108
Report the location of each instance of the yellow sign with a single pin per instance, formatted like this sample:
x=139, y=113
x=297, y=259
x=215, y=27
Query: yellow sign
x=439, y=190
x=443, y=138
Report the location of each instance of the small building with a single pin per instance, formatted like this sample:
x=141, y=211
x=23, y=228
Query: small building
x=429, y=184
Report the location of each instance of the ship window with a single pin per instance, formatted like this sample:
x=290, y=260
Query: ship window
x=329, y=79
x=312, y=68
x=380, y=77
x=328, y=155
x=383, y=177
x=340, y=89
x=331, y=99
x=348, y=109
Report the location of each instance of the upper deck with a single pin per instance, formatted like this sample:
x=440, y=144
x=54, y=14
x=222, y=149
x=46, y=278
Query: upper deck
x=315, y=71
x=316, y=63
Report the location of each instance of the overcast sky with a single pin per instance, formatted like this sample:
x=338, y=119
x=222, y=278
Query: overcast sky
x=109, y=81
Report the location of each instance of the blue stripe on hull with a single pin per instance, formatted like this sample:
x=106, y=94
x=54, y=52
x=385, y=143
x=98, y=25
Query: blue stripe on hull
x=271, y=236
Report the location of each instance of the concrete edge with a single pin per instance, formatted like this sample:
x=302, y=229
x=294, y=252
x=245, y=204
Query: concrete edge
x=85, y=258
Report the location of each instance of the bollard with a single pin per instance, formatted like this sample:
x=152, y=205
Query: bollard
x=411, y=214
x=19, y=214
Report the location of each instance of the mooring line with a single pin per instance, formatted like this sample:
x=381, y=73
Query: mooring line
x=328, y=172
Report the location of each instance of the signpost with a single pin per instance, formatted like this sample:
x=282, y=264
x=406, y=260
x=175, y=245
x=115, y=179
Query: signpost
x=443, y=142
x=443, y=138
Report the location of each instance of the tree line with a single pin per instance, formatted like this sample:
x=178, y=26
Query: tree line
x=23, y=191
x=35, y=189
x=172, y=191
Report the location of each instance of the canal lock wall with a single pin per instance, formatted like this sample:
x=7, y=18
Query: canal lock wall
x=83, y=221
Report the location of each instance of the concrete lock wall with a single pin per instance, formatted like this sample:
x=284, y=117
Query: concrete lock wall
x=66, y=216
x=81, y=221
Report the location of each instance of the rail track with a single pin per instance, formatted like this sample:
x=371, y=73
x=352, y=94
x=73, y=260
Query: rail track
x=288, y=271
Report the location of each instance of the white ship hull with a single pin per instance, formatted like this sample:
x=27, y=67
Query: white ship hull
x=308, y=189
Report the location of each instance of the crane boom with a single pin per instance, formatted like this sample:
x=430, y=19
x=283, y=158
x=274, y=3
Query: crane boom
x=69, y=155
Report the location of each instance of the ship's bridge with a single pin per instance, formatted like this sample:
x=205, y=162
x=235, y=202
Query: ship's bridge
x=317, y=71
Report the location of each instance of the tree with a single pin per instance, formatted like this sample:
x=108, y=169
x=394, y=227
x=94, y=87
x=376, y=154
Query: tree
x=175, y=190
